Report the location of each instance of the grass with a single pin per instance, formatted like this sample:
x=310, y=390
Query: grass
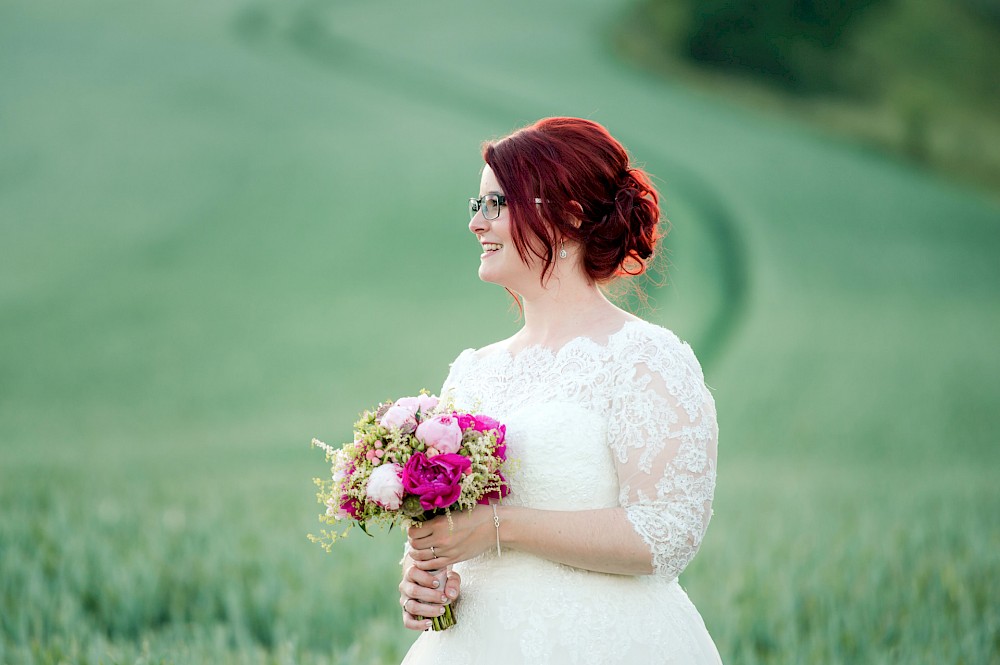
x=226, y=230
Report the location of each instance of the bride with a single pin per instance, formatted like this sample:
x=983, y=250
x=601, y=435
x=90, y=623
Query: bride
x=613, y=431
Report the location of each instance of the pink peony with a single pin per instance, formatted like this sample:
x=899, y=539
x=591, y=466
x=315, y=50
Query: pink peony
x=441, y=433
x=423, y=403
x=385, y=486
x=435, y=481
x=427, y=403
x=399, y=417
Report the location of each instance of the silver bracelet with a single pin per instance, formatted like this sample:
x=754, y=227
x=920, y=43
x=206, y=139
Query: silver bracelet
x=496, y=523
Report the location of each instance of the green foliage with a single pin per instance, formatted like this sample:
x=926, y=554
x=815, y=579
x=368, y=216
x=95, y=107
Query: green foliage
x=794, y=43
x=135, y=574
x=912, y=78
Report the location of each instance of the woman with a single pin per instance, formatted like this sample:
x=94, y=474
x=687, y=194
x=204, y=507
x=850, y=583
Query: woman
x=608, y=419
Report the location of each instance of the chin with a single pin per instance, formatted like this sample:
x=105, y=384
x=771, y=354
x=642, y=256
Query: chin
x=487, y=272
x=485, y=276
x=490, y=276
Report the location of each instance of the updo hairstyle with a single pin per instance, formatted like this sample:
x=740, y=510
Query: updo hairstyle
x=583, y=177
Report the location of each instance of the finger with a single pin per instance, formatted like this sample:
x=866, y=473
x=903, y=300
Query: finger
x=424, y=610
x=422, y=553
x=418, y=531
x=421, y=543
x=421, y=577
x=433, y=564
x=453, y=586
x=423, y=594
x=414, y=623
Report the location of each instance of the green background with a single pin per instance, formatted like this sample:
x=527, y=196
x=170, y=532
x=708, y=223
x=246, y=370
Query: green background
x=227, y=228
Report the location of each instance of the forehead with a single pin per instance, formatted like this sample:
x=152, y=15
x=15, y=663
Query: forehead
x=488, y=182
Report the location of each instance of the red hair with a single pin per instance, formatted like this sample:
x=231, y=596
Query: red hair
x=590, y=193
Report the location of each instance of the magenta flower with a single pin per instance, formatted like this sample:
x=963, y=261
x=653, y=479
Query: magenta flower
x=482, y=423
x=435, y=480
x=349, y=508
x=501, y=446
x=496, y=494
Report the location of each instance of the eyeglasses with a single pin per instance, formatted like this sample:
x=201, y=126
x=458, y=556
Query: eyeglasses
x=489, y=204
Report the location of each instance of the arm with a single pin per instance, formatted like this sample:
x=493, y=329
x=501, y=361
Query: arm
x=598, y=540
x=665, y=438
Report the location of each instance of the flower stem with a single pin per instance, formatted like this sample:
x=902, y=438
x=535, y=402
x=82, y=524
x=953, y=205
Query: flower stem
x=444, y=621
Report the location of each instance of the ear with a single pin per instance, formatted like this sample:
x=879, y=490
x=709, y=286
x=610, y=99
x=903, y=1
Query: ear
x=577, y=213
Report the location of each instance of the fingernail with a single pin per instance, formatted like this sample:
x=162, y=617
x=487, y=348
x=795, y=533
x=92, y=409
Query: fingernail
x=436, y=584
x=427, y=625
x=452, y=593
x=441, y=610
x=444, y=599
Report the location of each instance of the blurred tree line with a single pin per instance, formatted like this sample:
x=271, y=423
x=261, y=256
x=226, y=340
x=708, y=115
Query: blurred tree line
x=795, y=43
x=914, y=77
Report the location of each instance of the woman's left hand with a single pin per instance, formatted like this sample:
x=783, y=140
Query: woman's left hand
x=437, y=543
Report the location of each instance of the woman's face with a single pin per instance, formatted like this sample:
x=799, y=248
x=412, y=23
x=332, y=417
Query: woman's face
x=500, y=263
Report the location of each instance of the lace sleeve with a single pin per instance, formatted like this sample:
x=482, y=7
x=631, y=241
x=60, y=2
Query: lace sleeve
x=664, y=436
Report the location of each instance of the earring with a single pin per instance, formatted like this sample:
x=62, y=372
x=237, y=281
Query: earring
x=562, y=249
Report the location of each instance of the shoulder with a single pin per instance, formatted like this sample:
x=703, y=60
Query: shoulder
x=462, y=358
x=656, y=348
x=490, y=349
x=652, y=358
x=471, y=355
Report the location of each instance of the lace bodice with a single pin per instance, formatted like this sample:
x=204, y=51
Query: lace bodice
x=625, y=423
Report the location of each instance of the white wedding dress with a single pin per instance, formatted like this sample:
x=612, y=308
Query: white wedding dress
x=624, y=422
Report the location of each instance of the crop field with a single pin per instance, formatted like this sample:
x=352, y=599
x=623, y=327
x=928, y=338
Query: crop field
x=226, y=228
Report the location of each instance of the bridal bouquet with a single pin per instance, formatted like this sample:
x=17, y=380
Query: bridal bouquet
x=411, y=460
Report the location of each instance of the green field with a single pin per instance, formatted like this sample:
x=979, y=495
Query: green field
x=226, y=228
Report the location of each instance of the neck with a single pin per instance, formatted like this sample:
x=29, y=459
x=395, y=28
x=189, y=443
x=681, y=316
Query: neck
x=562, y=309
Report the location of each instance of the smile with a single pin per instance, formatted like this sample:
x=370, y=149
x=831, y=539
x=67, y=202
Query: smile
x=491, y=246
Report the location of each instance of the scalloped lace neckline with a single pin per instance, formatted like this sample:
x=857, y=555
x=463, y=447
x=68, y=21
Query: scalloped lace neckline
x=542, y=351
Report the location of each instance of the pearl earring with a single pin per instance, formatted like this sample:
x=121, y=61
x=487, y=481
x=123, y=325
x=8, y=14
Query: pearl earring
x=562, y=250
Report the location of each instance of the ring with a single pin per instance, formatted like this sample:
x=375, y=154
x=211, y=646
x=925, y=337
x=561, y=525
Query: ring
x=433, y=553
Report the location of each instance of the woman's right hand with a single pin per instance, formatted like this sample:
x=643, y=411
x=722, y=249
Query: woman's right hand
x=419, y=598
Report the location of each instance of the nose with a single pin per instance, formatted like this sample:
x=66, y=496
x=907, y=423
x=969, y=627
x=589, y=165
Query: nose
x=479, y=224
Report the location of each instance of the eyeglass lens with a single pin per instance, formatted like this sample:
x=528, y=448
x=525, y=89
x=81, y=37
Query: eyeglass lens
x=489, y=204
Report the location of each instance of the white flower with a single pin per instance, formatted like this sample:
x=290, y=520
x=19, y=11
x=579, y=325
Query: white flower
x=385, y=486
